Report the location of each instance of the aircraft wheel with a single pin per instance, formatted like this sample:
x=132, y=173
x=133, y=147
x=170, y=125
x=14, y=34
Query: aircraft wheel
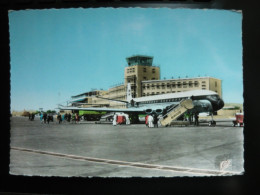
x=212, y=123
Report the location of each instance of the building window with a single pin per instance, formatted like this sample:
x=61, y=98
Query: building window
x=153, y=78
x=158, y=86
x=144, y=69
x=216, y=84
x=196, y=83
x=144, y=78
x=163, y=86
x=153, y=70
x=184, y=85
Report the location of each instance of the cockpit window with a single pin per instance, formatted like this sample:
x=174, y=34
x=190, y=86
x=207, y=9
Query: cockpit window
x=213, y=97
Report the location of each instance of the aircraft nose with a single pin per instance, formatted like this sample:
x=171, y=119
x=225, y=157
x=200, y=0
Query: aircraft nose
x=220, y=103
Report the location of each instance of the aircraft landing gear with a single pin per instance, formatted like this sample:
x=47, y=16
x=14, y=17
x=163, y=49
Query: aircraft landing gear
x=212, y=123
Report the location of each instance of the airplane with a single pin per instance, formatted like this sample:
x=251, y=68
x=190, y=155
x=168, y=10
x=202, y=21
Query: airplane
x=203, y=101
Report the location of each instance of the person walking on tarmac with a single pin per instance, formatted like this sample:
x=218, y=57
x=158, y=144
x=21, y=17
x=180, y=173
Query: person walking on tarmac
x=48, y=118
x=59, y=118
x=196, y=116
x=66, y=117
x=41, y=118
x=77, y=117
x=155, y=120
x=69, y=117
x=73, y=119
x=115, y=120
x=44, y=117
x=150, y=121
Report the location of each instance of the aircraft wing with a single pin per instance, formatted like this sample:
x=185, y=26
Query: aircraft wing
x=126, y=110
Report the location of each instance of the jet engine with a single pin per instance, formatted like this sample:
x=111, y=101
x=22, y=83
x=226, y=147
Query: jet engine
x=150, y=111
x=158, y=111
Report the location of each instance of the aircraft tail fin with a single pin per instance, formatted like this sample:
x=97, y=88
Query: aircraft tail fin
x=129, y=93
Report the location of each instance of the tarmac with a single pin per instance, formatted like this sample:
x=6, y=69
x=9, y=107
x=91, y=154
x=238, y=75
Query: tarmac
x=103, y=150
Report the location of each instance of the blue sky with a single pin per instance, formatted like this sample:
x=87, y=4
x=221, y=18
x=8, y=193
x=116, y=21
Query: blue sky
x=57, y=53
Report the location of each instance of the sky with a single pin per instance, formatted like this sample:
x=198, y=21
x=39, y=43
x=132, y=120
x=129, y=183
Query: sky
x=58, y=53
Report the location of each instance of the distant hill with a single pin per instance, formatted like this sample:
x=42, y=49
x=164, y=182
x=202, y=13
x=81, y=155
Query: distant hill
x=234, y=105
x=21, y=113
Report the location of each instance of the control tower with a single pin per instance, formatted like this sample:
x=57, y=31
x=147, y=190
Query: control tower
x=140, y=68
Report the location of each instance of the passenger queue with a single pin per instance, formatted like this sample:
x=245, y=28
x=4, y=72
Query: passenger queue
x=46, y=118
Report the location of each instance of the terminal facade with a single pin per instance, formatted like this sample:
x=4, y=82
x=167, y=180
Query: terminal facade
x=145, y=81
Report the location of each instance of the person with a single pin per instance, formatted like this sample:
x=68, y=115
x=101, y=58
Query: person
x=160, y=117
x=44, y=117
x=29, y=116
x=192, y=116
x=41, y=117
x=63, y=117
x=115, y=120
x=186, y=116
x=146, y=120
x=48, y=118
x=69, y=117
x=73, y=119
x=77, y=118
x=150, y=121
x=196, y=119
x=59, y=118
x=189, y=117
x=32, y=117
x=127, y=119
x=155, y=120
x=66, y=117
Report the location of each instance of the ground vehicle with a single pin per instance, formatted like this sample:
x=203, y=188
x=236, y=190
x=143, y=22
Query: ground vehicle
x=239, y=120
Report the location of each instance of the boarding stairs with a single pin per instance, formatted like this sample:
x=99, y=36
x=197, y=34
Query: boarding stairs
x=175, y=111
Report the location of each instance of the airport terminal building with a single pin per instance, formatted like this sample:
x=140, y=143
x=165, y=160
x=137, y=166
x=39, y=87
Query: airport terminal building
x=145, y=81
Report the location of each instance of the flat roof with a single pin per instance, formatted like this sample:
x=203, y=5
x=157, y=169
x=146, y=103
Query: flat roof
x=141, y=56
x=86, y=93
x=166, y=80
